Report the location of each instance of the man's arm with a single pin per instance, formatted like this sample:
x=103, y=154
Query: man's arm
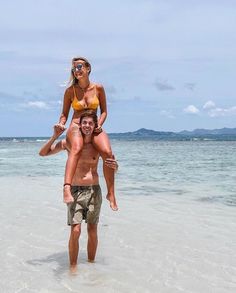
x=49, y=148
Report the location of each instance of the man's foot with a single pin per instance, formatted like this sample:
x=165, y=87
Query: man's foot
x=91, y=260
x=73, y=269
x=67, y=197
x=112, y=201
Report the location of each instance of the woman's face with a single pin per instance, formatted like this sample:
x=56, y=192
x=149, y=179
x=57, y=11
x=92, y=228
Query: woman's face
x=79, y=69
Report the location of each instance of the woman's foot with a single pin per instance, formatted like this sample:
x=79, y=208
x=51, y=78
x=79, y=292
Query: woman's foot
x=112, y=200
x=67, y=197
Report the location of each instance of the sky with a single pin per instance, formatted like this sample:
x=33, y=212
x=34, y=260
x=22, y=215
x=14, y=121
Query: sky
x=166, y=65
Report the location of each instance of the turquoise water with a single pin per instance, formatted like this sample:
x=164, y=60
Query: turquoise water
x=205, y=170
x=174, y=231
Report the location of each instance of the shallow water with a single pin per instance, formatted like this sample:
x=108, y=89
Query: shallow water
x=174, y=231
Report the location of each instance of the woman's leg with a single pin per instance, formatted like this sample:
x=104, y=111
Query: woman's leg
x=102, y=144
x=75, y=141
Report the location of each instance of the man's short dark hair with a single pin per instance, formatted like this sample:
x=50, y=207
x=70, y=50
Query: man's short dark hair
x=92, y=114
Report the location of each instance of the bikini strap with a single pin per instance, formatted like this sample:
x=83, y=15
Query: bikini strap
x=95, y=89
x=74, y=92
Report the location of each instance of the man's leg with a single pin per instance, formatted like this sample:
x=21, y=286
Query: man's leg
x=74, y=245
x=92, y=241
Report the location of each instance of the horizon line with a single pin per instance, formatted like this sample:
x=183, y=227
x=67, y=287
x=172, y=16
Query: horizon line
x=131, y=132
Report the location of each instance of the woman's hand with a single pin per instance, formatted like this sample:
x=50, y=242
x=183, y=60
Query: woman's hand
x=98, y=129
x=60, y=126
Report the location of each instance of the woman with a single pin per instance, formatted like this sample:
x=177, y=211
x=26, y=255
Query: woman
x=82, y=95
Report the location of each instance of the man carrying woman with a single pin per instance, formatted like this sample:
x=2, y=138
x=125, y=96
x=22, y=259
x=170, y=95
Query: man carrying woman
x=82, y=95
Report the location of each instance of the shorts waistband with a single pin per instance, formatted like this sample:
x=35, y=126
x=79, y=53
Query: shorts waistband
x=85, y=187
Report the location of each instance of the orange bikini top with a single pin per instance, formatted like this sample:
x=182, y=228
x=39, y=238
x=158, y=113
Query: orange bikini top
x=81, y=105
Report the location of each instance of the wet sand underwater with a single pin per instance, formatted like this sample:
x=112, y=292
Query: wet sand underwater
x=161, y=242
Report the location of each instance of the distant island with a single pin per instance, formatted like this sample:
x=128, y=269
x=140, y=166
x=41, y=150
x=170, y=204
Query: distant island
x=223, y=134
x=197, y=134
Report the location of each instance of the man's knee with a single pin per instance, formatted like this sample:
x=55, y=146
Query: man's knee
x=75, y=231
x=92, y=229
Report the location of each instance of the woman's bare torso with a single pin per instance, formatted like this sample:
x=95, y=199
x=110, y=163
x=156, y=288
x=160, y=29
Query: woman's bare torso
x=84, y=98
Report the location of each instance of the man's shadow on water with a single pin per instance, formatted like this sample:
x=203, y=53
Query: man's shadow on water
x=62, y=260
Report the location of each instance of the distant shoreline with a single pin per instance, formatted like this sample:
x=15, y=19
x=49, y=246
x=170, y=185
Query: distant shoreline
x=223, y=134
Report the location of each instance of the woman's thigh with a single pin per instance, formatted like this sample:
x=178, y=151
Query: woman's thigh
x=74, y=137
x=102, y=143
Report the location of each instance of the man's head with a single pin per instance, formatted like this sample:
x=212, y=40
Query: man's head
x=88, y=122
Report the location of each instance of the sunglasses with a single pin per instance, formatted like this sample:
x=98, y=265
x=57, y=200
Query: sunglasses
x=77, y=67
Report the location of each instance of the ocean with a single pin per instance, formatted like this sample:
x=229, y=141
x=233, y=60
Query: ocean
x=175, y=230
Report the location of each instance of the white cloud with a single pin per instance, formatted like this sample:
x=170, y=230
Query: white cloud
x=36, y=104
x=50, y=105
x=191, y=109
x=209, y=105
x=221, y=112
x=214, y=111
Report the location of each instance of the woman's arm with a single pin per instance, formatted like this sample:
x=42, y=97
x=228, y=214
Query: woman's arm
x=66, y=107
x=103, y=105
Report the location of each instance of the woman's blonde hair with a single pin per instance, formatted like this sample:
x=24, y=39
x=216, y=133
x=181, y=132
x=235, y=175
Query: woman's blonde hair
x=74, y=80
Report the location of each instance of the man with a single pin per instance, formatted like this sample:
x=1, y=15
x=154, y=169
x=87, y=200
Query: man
x=85, y=187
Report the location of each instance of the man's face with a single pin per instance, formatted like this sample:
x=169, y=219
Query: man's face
x=87, y=125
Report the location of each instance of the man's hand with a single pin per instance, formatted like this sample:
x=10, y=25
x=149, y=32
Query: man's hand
x=111, y=163
x=50, y=147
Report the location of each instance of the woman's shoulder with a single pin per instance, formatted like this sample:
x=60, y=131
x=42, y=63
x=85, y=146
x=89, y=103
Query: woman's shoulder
x=99, y=87
x=69, y=90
